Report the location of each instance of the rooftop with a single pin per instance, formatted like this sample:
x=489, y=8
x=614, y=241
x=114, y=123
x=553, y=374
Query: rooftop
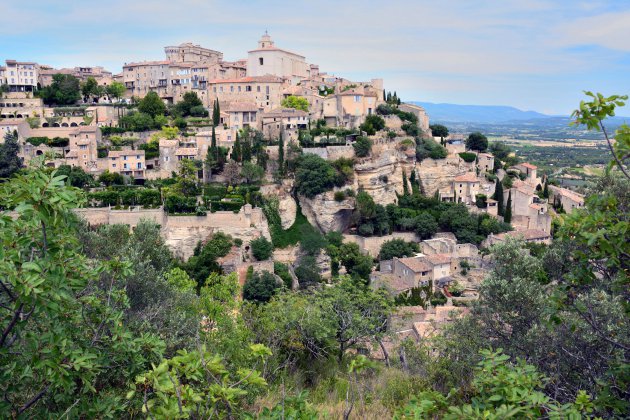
x=467, y=177
x=128, y=152
x=528, y=235
x=415, y=264
x=438, y=259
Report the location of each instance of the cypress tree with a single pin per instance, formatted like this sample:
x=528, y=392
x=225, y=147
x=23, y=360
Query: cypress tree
x=246, y=150
x=413, y=181
x=405, y=187
x=498, y=195
x=216, y=113
x=281, y=154
x=236, y=149
x=546, y=190
x=507, y=217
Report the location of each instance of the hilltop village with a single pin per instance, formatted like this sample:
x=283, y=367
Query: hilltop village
x=310, y=174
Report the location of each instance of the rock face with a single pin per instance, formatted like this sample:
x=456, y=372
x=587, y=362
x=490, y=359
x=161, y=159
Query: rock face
x=328, y=215
x=437, y=174
x=287, y=207
x=381, y=175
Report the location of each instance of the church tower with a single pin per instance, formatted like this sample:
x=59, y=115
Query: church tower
x=265, y=41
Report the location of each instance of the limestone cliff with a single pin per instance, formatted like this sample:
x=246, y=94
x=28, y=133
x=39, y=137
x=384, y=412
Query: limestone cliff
x=287, y=207
x=328, y=215
x=381, y=174
x=437, y=174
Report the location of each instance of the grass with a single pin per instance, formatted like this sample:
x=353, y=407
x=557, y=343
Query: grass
x=283, y=238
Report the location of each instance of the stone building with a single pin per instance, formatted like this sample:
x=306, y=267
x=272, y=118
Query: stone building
x=19, y=76
x=283, y=120
x=127, y=162
x=268, y=59
x=83, y=143
x=570, y=200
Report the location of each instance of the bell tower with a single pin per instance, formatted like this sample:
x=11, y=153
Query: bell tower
x=265, y=41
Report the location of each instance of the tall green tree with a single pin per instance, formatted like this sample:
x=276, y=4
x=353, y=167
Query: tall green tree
x=498, y=195
x=10, y=162
x=65, y=348
x=236, y=154
x=115, y=90
x=404, y=181
x=477, y=141
x=281, y=155
x=507, y=216
x=439, y=130
x=64, y=90
x=152, y=105
x=90, y=88
x=216, y=113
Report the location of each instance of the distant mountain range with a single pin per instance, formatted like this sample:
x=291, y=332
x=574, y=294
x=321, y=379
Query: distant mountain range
x=477, y=113
x=496, y=114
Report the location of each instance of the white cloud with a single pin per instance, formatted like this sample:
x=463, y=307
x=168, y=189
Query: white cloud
x=608, y=30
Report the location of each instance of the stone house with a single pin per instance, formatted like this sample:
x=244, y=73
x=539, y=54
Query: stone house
x=529, y=235
x=127, y=162
x=83, y=152
x=283, y=120
x=569, y=199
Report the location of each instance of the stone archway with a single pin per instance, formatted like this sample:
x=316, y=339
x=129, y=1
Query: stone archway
x=64, y=124
x=74, y=124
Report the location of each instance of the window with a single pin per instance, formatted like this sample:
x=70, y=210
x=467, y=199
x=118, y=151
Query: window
x=257, y=88
x=231, y=88
x=248, y=88
x=125, y=166
x=357, y=98
x=137, y=156
x=166, y=158
x=113, y=165
x=139, y=166
x=125, y=158
x=239, y=88
x=261, y=61
x=83, y=147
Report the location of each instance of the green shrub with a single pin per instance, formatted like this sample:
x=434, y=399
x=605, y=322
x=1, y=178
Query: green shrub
x=262, y=249
x=468, y=157
x=340, y=196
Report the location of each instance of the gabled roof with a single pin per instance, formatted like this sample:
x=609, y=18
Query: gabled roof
x=438, y=259
x=128, y=152
x=284, y=112
x=186, y=151
x=467, y=177
x=415, y=264
x=528, y=235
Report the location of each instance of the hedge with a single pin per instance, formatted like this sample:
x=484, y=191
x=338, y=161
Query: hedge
x=468, y=157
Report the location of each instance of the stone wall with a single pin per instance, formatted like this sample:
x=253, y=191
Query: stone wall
x=331, y=152
x=437, y=174
x=182, y=233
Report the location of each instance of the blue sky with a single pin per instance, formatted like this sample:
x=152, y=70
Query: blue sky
x=532, y=54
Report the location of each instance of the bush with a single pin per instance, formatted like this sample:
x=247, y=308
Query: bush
x=468, y=157
x=36, y=141
x=397, y=248
x=282, y=270
x=340, y=196
x=411, y=129
x=362, y=146
x=262, y=249
x=372, y=124
x=261, y=287
x=428, y=148
x=307, y=272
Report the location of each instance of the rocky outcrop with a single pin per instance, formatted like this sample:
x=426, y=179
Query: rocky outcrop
x=328, y=215
x=437, y=174
x=287, y=207
x=381, y=175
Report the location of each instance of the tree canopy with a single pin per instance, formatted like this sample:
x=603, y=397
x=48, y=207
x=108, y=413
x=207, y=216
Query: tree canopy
x=296, y=102
x=64, y=90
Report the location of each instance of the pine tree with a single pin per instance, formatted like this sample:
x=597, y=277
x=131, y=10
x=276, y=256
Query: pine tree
x=236, y=149
x=507, y=217
x=498, y=195
x=281, y=155
x=405, y=187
